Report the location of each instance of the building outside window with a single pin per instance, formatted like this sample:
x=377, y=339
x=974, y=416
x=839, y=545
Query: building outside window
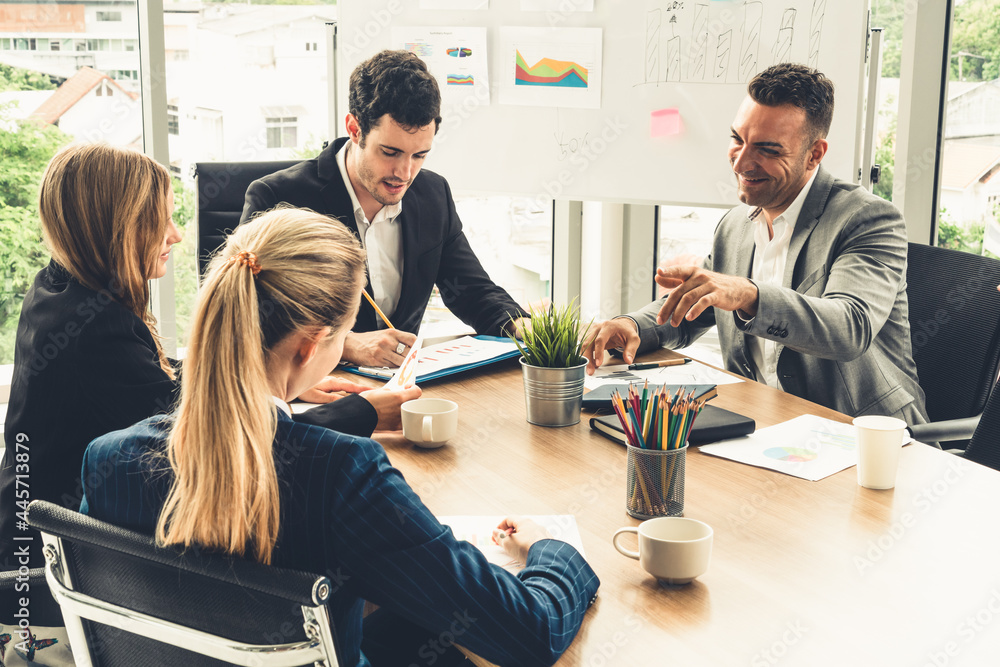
x=173, y=121
x=282, y=132
x=109, y=16
x=63, y=113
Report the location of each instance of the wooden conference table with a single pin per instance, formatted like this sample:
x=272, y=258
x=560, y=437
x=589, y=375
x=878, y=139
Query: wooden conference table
x=802, y=573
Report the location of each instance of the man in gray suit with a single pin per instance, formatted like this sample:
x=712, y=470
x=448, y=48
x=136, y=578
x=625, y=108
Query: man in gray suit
x=806, y=281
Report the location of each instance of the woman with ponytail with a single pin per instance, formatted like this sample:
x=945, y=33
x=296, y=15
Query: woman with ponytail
x=88, y=359
x=230, y=471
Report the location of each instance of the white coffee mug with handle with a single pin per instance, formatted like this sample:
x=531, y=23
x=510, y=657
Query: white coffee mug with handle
x=429, y=422
x=675, y=550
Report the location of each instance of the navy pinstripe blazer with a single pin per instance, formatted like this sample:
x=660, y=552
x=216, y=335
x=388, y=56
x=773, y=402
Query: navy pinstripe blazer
x=85, y=365
x=347, y=513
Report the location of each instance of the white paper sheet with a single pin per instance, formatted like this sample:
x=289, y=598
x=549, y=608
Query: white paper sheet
x=458, y=352
x=551, y=67
x=692, y=373
x=457, y=57
x=478, y=530
x=406, y=375
x=809, y=447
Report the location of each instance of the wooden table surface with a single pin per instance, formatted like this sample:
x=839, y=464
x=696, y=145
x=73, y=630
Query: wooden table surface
x=802, y=573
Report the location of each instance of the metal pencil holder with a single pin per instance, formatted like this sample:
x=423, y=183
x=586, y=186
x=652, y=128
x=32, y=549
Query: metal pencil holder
x=655, y=482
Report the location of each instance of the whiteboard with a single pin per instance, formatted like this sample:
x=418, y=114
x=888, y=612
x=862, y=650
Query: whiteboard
x=689, y=59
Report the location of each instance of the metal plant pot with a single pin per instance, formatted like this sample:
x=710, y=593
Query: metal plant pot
x=553, y=396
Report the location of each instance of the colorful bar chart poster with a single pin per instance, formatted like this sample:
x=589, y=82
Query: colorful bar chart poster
x=550, y=67
x=559, y=6
x=455, y=56
x=454, y=4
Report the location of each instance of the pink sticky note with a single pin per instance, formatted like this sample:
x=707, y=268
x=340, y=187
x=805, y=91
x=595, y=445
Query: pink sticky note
x=664, y=123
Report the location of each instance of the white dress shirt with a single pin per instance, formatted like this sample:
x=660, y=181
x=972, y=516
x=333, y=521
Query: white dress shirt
x=382, y=239
x=770, y=256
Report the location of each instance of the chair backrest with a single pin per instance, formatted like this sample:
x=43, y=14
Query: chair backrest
x=128, y=602
x=222, y=188
x=985, y=444
x=954, y=327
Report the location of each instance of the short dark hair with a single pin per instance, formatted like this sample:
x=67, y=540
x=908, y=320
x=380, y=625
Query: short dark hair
x=798, y=85
x=395, y=83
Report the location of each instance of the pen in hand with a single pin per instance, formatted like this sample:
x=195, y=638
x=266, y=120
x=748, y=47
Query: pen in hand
x=658, y=364
x=500, y=535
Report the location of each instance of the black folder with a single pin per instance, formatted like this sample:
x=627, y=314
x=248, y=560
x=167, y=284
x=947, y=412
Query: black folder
x=711, y=425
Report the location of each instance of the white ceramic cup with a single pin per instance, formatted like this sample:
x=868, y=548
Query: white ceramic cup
x=429, y=422
x=880, y=440
x=675, y=550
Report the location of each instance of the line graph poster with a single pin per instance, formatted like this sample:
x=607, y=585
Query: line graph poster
x=455, y=56
x=550, y=67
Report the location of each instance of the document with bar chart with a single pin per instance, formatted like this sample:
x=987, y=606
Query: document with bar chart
x=551, y=67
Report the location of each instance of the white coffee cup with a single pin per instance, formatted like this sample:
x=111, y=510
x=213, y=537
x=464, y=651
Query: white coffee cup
x=429, y=422
x=880, y=440
x=675, y=550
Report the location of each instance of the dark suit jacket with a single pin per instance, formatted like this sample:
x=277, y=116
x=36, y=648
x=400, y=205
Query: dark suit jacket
x=84, y=366
x=347, y=513
x=435, y=249
x=840, y=314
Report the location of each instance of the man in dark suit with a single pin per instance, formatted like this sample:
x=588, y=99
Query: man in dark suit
x=405, y=218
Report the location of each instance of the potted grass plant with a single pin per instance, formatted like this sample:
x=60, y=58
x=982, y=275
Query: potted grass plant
x=553, y=366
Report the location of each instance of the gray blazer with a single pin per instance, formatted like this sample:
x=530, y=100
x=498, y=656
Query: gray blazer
x=840, y=314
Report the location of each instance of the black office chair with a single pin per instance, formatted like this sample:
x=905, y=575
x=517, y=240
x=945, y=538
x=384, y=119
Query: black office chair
x=16, y=585
x=222, y=187
x=985, y=444
x=128, y=602
x=955, y=332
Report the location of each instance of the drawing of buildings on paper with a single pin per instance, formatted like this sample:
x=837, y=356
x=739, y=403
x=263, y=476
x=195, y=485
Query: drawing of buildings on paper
x=708, y=41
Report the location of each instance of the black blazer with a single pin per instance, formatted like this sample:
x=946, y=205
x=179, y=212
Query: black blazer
x=85, y=366
x=435, y=249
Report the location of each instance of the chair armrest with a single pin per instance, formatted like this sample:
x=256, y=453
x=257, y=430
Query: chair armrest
x=36, y=577
x=952, y=429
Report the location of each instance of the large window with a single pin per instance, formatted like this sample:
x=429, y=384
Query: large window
x=970, y=167
x=74, y=107
x=229, y=105
x=512, y=237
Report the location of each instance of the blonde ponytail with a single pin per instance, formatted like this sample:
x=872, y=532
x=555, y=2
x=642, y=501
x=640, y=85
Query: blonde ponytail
x=288, y=270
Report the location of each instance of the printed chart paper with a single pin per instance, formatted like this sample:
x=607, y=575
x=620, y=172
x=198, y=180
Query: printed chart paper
x=406, y=375
x=692, y=373
x=478, y=531
x=551, y=67
x=454, y=4
x=456, y=57
x=809, y=447
x=458, y=352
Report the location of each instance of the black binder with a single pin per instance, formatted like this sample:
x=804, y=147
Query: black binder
x=711, y=425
